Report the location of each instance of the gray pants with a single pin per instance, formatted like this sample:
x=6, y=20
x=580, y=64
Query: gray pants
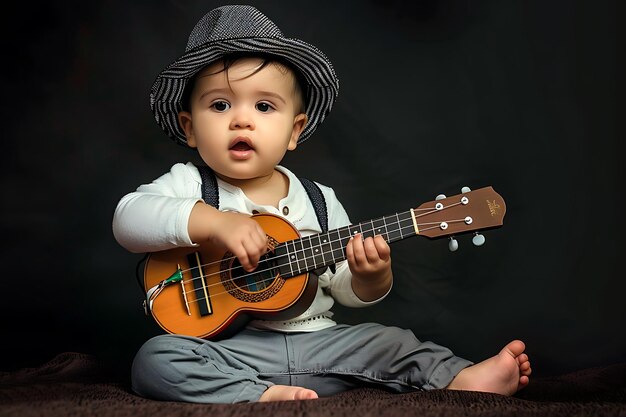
x=329, y=361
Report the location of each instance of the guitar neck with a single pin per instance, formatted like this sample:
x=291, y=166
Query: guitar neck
x=463, y=213
x=309, y=253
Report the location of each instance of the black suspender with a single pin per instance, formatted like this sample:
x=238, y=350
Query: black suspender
x=210, y=193
x=319, y=203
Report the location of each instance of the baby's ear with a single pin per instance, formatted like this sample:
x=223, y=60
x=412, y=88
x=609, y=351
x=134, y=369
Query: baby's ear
x=185, y=122
x=299, y=123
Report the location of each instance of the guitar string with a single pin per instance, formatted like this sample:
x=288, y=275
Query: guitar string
x=338, y=231
x=398, y=223
x=230, y=291
x=432, y=210
x=310, y=237
x=269, y=269
x=266, y=260
x=233, y=279
x=429, y=209
x=297, y=252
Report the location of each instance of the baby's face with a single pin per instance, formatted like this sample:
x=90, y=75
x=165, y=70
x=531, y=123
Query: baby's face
x=244, y=120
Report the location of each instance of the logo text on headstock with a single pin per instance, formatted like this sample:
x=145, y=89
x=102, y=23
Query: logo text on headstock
x=494, y=207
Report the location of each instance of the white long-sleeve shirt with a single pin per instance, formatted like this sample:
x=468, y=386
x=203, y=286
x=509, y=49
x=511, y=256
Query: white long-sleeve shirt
x=156, y=217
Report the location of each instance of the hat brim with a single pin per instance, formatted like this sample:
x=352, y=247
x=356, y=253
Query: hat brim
x=315, y=68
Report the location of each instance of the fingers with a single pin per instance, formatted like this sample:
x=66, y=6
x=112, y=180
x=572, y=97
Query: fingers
x=362, y=252
x=252, y=248
x=382, y=248
x=243, y=237
x=248, y=255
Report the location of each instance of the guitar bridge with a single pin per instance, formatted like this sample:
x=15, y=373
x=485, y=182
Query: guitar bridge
x=182, y=290
x=199, y=284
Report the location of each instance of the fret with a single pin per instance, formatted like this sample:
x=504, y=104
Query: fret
x=393, y=228
x=407, y=223
x=399, y=226
x=293, y=257
x=337, y=252
x=403, y=227
x=367, y=229
x=301, y=265
x=318, y=253
x=283, y=262
x=345, y=234
x=307, y=253
x=380, y=228
x=354, y=229
x=327, y=249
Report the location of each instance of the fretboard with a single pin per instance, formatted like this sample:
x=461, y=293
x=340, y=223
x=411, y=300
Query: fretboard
x=298, y=256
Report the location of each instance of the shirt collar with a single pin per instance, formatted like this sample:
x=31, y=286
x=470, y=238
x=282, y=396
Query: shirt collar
x=295, y=200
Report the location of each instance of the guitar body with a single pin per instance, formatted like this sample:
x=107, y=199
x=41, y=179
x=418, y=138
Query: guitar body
x=219, y=293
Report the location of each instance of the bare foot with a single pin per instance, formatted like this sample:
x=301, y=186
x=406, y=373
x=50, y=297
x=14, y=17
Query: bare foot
x=506, y=373
x=287, y=393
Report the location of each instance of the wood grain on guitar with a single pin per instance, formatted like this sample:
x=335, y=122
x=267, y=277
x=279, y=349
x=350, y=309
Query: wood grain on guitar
x=202, y=292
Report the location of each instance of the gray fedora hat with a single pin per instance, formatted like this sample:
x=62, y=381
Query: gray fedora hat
x=242, y=29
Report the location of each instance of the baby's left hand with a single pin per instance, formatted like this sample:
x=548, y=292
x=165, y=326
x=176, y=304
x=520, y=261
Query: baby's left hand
x=369, y=259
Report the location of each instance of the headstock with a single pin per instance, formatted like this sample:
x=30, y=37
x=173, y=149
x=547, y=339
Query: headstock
x=463, y=213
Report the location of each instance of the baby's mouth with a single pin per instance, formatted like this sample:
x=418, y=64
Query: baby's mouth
x=241, y=146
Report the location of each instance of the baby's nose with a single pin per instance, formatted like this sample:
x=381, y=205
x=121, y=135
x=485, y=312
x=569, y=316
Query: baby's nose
x=242, y=120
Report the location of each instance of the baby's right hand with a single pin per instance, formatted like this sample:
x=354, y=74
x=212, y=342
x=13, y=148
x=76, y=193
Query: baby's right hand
x=229, y=230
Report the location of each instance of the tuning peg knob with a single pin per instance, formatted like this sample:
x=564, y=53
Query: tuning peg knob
x=453, y=245
x=465, y=190
x=440, y=197
x=478, y=239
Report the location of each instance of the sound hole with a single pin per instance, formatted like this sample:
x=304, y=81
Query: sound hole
x=258, y=280
x=251, y=287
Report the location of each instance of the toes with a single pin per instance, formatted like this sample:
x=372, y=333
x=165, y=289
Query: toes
x=515, y=348
x=305, y=394
x=523, y=381
x=524, y=364
x=287, y=393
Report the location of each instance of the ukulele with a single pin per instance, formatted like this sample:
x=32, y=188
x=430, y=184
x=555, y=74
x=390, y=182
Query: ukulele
x=202, y=291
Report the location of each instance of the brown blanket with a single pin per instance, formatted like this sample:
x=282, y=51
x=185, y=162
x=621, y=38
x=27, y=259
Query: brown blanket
x=74, y=384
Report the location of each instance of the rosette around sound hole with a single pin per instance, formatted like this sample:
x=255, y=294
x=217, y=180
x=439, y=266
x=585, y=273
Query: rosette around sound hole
x=258, y=285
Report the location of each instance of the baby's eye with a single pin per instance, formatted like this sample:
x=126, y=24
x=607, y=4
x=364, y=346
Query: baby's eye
x=220, y=106
x=264, y=107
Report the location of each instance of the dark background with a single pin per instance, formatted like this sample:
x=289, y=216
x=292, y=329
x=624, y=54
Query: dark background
x=434, y=95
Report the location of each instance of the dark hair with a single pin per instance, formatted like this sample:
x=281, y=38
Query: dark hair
x=231, y=59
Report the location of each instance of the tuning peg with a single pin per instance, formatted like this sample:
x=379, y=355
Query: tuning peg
x=440, y=197
x=453, y=245
x=478, y=239
x=465, y=190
